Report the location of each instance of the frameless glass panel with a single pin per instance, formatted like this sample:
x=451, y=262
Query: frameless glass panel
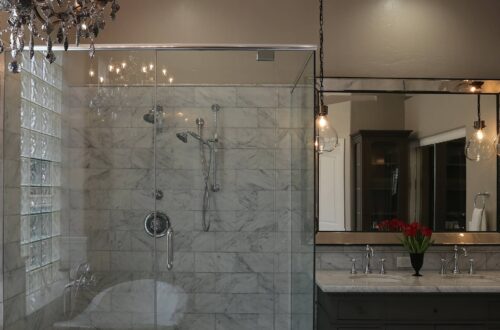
x=79, y=161
x=223, y=164
x=302, y=199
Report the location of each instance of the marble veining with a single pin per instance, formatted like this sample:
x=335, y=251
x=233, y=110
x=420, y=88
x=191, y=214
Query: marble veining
x=343, y=281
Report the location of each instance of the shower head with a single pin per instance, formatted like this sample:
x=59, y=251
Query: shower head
x=182, y=136
x=150, y=116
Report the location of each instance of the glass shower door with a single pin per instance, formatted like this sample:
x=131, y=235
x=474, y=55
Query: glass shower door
x=303, y=212
x=229, y=132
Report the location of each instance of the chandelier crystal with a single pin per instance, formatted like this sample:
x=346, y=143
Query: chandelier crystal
x=53, y=21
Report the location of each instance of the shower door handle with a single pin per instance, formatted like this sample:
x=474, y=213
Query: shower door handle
x=170, y=248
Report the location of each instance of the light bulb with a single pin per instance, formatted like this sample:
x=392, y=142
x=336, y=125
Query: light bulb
x=164, y=71
x=84, y=26
x=171, y=79
x=118, y=70
x=111, y=68
x=91, y=73
x=101, y=79
x=151, y=67
x=478, y=148
x=124, y=65
x=327, y=139
x=322, y=122
x=145, y=69
x=479, y=134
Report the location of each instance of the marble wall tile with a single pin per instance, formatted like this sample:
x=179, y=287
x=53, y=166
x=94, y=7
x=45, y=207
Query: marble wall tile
x=198, y=322
x=257, y=97
x=243, y=321
x=234, y=262
x=245, y=241
x=338, y=258
x=240, y=117
x=235, y=221
x=195, y=282
x=131, y=261
x=229, y=271
x=207, y=96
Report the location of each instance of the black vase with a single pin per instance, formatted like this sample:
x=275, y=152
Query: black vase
x=417, y=260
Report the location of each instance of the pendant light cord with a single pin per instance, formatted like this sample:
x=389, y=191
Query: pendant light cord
x=321, y=53
x=479, y=108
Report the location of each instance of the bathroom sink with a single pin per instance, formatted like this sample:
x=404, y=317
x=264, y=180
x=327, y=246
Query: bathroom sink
x=376, y=278
x=471, y=279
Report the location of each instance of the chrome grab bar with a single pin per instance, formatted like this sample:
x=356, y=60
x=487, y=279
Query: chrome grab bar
x=170, y=248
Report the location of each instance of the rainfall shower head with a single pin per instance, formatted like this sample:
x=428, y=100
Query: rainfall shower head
x=150, y=116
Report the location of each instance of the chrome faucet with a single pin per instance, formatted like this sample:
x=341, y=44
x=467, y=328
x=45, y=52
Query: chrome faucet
x=368, y=257
x=456, y=257
x=84, y=278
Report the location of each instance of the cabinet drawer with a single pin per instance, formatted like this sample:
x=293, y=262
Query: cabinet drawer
x=360, y=309
x=493, y=308
x=409, y=327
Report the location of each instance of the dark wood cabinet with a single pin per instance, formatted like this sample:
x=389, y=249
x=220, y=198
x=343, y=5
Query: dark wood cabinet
x=380, y=177
x=407, y=311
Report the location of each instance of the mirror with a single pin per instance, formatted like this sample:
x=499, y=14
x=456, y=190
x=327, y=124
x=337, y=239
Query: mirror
x=401, y=155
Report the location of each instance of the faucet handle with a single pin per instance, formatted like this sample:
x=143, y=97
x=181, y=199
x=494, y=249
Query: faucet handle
x=471, y=266
x=443, y=266
x=353, y=266
x=369, y=249
x=382, y=266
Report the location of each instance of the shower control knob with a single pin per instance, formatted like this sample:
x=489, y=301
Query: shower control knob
x=156, y=224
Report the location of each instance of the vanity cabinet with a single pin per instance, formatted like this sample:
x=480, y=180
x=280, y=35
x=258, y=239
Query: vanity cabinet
x=380, y=176
x=408, y=311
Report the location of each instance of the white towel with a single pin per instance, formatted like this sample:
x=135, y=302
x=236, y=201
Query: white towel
x=478, y=221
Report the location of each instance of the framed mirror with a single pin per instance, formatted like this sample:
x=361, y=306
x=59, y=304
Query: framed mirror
x=412, y=150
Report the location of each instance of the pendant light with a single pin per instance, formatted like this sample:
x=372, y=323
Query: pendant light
x=326, y=135
x=478, y=147
x=497, y=141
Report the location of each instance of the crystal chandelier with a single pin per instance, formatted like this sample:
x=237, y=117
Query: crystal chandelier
x=53, y=21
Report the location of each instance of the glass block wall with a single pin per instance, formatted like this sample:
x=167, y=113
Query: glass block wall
x=41, y=103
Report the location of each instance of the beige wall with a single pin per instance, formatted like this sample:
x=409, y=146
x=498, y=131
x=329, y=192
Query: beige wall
x=449, y=112
x=341, y=115
x=383, y=113
x=397, y=38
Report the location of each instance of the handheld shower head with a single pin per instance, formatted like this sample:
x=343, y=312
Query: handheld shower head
x=182, y=136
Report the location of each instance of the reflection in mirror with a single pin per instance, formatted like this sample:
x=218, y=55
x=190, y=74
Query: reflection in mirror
x=403, y=156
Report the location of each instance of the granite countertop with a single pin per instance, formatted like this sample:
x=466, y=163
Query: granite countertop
x=404, y=282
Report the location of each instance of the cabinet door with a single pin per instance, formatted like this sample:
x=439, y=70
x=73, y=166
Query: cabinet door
x=461, y=327
x=361, y=327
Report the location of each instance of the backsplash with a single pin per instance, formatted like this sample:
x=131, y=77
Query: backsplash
x=339, y=257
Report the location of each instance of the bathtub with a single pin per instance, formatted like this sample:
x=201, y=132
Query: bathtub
x=129, y=305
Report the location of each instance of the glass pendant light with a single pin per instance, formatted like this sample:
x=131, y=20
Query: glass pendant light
x=326, y=136
x=497, y=141
x=478, y=147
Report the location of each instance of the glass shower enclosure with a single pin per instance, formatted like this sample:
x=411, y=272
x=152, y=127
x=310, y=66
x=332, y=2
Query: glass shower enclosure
x=159, y=187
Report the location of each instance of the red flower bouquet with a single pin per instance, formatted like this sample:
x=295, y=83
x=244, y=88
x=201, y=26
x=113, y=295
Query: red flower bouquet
x=416, y=238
